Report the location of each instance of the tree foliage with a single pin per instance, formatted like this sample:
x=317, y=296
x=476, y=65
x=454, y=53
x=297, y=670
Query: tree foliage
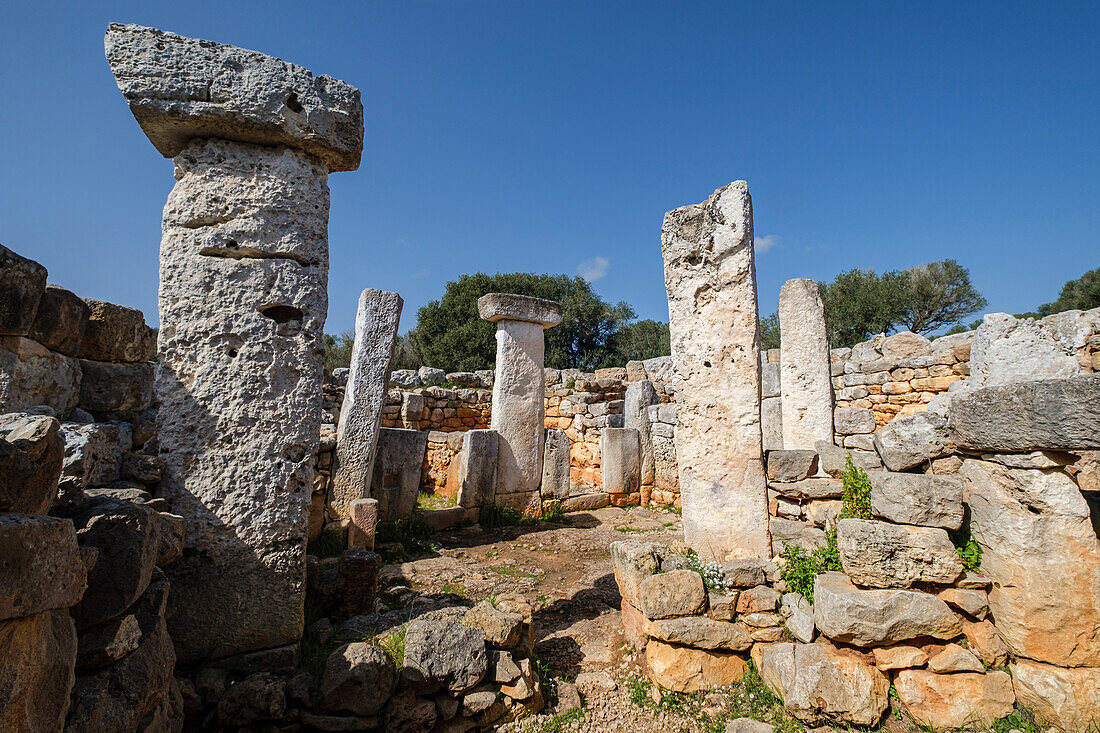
x=769, y=332
x=1080, y=294
x=641, y=340
x=937, y=294
x=338, y=350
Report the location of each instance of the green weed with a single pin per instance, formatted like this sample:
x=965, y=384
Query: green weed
x=856, y=495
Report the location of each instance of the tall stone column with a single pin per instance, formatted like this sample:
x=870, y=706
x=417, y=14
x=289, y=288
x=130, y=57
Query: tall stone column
x=710, y=276
x=805, y=383
x=243, y=276
x=519, y=410
x=376, y=324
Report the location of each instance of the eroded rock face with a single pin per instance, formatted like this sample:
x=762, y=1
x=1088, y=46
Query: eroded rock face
x=61, y=321
x=244, y=261
x=41, y=568
x=116, y=333
x=710, y=277
x=883, y=555
x=376, y=324
x=804, y=361
x=555, y=465
x=31, y=375
x=22, y=282
x=920, y=499
x=912, y=440
x=1068, y=698
x=946, y=701
x=869, y=618
x=358, y=678
x=38, y=653
x=184, y=88
x=818, y=682
x=443, y=654
x=1041, y=550
x=683, y=669
x=31, y=454
x=1007, y=349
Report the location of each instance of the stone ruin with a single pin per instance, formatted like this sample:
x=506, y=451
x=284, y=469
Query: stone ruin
x=154, y=519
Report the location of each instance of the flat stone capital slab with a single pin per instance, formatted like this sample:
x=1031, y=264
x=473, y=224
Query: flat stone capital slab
x=495, y=307
x=183, y=88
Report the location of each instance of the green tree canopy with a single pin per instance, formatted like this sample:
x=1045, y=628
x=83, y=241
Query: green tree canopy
x=769, y=332
x=937, y=294
x=641, y=340
x=1080, y=294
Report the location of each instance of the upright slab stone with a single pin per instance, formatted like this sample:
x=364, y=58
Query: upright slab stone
x=710, y=277
x=640, y=395
x=376, y=323
x=396, y=473
x=805, y=384
x=620, y=460
x=518, y=406
x=477, y=469
x=555, y=465
x=243, y=274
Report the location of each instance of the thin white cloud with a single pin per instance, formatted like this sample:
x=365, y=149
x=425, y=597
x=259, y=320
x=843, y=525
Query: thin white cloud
x=766, y=242
x=593, y=269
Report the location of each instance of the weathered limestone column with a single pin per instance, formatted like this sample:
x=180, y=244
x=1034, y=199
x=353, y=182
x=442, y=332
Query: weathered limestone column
x=518, y=407
x=710, y=277
x=376, y=323
x=639, y=397
x=805, y=384
x=243, y=275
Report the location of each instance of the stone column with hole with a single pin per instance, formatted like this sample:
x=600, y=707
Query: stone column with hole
x=243, y=276
x=710, y=276
x=805, y=383
x=519, y=410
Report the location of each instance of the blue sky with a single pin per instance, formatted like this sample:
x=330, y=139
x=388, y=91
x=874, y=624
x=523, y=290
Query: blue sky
x=553, y=136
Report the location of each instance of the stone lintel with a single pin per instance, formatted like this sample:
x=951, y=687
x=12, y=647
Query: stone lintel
x=507, y=307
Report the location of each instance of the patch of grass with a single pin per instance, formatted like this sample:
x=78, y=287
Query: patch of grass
x=413, y=534
x=557, y=723
x=513, y=572
x=426, y=501
x=393, y=644
x=544, y=671
x=638, y=530
x=1021, y=719
x=856, y=495
x=495, y=515
x=555, y=514
x=679, y=511
x=454, y=589
x=570, y=383
x=801, y=567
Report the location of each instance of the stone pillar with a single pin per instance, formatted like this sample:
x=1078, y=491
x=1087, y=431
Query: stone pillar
x=555, y=465
x=518, y=406
x=243, y=276
x=477, y=469
x=396, y=473
x=639, y=397
x=620, y=459
x=805, y=384
x=364, y=520
x=376, y=323
x=710, y=277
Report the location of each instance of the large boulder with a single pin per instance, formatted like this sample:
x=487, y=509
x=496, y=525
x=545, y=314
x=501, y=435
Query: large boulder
x=93, y=458
x=677, y=593
x=914, y=498
x=819, y=683
x=21, y=284
x=962, y=699
x=36, y=673
x=1067, y=698
x=115, y=391
x=1007, y=349
x=258, y=698
x=500, y=628
x=116, y=333
x=358, y=678
x=633, y=561
x=444, y=654
x=61, y=321
x=40, y=565
x=913, y=440
x=31, y=375
x=31, y=451
x=884, y=555
x=867, y=618
x=1040, y=548
x=1052, y=414
x=684, y=669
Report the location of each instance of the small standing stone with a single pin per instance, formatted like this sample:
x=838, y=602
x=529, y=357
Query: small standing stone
x=364, y=519
x=804, y=361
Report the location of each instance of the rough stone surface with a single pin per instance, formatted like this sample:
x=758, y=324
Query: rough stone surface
x=806, y=386
x=107, y=642
x=986, y=641
x=555, y=465
x=396, y=471
x=869, y=618
x=495, y=307
x=900, y=656
x=22, y=282
x=36, y=675
x=115, y=391
x=971, y=602
x=954, y=658
x=710, y=278
x=1054, y=414
x=771, y=423
x=678, y=593
x=116, y=333
x=478, y=468
x=501, y=629
x=244, y=260
x=61, y=320
x=1040, y=549
x=920, y=499
x=947, y=701
x=633, y=562
x=854, y=420
x=358, y=678
x=683, y=669
x=31, y=455
x=700, y=632
x=1066, y=698
x=376, y=324
x=818, y=682
x=443, y=654
x=883, y=555
x=620, y=460
x=364, y=520
x=791, y=465
x=913, y=440
x=93, y=458
x=31, y=375
x=257, y=698
x=1007, y=349
x=357, y=582
x=40, y=565
x=183, y=88
x=640, y=395
x=799, y=614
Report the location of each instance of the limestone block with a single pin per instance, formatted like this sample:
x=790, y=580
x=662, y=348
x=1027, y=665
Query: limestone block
x=791, y=465
x=984, y=639
x=833, y=458
x=1040, y=549
x=444, y=654
x=700, y=632
x=819, y=682
x=357, y=582
x=116, y=333
x=854, y=420
x=676, y=593
x=713, y=320
x=869, y=618
x=882, y=555
x=900, y=656
x=620, y=460
x=635, y=371
x=770, y=379
x=1006, y=350
x=31, y=453
x=1052, y=414
x=949, y=701
x=364, y=520
x=785, y=531
x=478, y=467
x=31, y=375
x=61, y=320
x=806, y=384
x=39, y=654
x=183, y=88
x=660, y=369
x=912, y=440
x=495, y=307
x=810, y=488
x=639, y=397
x=921, y=499
x=244, y=261
x=42, y=568
x=376, y=324
x=93, y=457
x=1066, y=698
x=358, y=678
x=397, y=468
x=684, y=669
x=555, y=465
x=771, y=423
x=954, y=658
x=22, y=282
x=633, y=561
x=404, y=378
x=112, y=391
